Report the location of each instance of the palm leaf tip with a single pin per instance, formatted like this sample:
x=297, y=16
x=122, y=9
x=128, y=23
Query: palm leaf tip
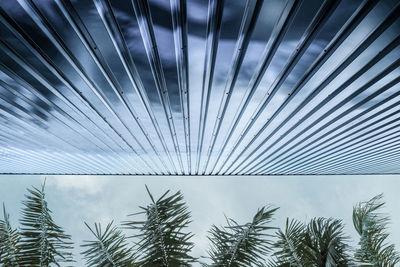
x=160, y=235
x=371, y=224
x=242, y=245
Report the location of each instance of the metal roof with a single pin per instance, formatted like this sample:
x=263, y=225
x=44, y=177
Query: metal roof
x=200, y=87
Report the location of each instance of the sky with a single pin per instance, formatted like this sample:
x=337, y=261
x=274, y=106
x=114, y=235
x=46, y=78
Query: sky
x=78, y=199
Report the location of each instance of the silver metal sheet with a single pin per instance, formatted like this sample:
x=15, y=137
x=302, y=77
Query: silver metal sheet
x=185, y=87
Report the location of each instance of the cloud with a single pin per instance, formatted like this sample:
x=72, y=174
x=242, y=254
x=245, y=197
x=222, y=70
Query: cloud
x=80, y=184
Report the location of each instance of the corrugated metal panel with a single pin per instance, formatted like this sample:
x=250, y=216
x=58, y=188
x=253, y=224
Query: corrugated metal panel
x=200, y=87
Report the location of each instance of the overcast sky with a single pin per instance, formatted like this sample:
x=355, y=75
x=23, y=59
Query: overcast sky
x=75, y=199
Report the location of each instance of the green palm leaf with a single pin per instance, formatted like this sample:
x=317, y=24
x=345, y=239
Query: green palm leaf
x=43, y=242
x=371, y=225
x=319, y=244
x=326, y=244
x=109, y=248
x=289, y=246
x=161, y=239
x=9, y=242
x=242, y=245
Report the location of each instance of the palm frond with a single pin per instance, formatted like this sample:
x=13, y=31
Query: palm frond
x=326, y=244
x=161, y=239
x=242, y=245
x=43, y=242
x=109, y=249
x=371, y=225
x=289, y=248
x=321, y=243
x=9, y=242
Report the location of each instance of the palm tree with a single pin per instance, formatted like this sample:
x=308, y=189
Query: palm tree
x=241, y=244
x=289, y=249
x=39, y=242
x=371, y=225
x=9, y=242
x=43, y=242
x=160, y=239
x=319, y=244
x=160, y=236
x=109, y=249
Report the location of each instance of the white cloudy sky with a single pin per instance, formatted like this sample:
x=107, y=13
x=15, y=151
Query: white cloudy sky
x=75, y=199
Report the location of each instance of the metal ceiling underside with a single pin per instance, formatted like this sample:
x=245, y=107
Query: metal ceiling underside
x=200, y=87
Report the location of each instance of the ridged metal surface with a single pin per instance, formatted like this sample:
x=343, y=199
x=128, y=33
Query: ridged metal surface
x=185, y=87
